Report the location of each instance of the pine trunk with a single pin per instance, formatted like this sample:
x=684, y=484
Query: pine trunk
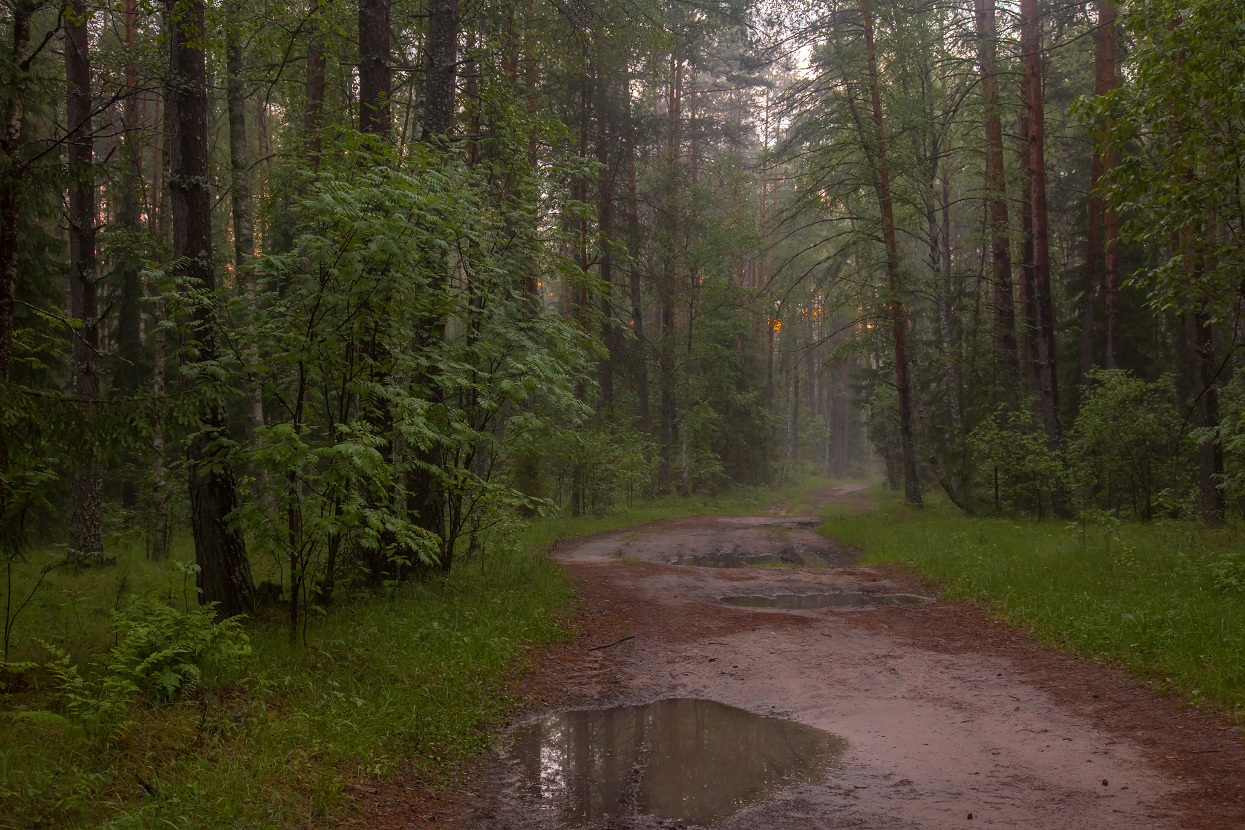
x=240, y=196
x=605, y=227
x=1102, y=230
x=996, y=187
x=1047, y=376
x=1105, y=79
x=11, y=178
x=224, y=571
x=86, y=531
x=643, y=420
x=1206, y=401
x=313, y=84
x=441, y=69
x=130, y=311
x=881, y=172
x=669, y=277
x=374, y=72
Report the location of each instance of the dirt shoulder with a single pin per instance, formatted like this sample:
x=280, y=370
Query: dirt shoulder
x=951, y=719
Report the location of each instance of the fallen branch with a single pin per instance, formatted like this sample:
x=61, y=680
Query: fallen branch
x=616, y=642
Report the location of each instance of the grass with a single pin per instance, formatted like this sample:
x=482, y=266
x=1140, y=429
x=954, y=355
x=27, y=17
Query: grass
x=412, y=679
x=1158, y=598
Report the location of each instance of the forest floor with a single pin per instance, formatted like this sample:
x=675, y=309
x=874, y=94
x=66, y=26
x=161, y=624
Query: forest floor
x=950, y=719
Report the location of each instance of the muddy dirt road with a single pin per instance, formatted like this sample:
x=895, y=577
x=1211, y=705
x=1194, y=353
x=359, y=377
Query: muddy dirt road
x=942, y=718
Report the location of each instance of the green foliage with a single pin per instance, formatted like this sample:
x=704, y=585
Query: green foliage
x=162, y=650
x=407, y=368
x=1014, y=461
x=1177, y=122
x=1231, y=432
x=1130, y=445
x=160, y=654
x=1228, y=570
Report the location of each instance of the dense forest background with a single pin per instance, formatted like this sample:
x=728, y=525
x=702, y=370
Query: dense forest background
x=355, y=288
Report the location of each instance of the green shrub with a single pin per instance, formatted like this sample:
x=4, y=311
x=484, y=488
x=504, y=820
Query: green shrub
x=160, y=653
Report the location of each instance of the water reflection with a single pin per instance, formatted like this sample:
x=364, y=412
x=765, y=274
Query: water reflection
x=683, y=758
x=806, y=601
x=793, y=558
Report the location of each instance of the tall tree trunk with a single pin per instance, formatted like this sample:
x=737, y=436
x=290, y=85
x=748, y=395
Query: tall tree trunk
x=313, y=84
x=643, y=419
x=240, y=185
x=86, y=531
x=1048, y=385
x=670, y=275
x=996, y=186
x=441, y=70
x=130, y=312
x=129, y=377
x=374, y=72
x=1104, y=82
x=159, y=550
x=1102, y=230
x=12, y=178
x=224, y=570
x=839, y=421
x=605, y=220
x=881, y=171
x=1206, y=400
x=1027, y=279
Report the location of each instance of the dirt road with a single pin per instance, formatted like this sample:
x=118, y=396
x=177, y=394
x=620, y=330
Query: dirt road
x=946, y=718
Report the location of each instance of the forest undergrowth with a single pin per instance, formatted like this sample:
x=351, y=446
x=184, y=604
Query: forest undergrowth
x=1164, y=599
x=269, y=732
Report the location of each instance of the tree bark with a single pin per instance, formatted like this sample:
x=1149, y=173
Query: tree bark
x=1028, y=281
x=130, y=311
x=605, y=226
x=1105, y=80
x=441, y=68
x=881, y=172
x=1047, y=377
x=670, y=276
x=86, y=530
x=11, y=183
x=313, y=84
x=159, y=550
x=643, y=420
x=225, y=572
x=240, y=195
x=374, y=72
x=1102, y=231
x=996, y=186
x=1206, y=400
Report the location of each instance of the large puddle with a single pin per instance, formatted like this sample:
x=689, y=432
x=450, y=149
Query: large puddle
x=806, y=601
x=683, y=758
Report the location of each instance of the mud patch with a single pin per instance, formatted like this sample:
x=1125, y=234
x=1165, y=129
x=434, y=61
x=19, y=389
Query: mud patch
x=695, y=760
x=804, y=602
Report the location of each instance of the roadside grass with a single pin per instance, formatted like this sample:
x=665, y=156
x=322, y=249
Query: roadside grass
x=1163, y=599
x=411, y=678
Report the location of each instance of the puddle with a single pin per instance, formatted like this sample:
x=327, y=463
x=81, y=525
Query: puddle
x=788, y=557
x=843, y=600
x=682, y=758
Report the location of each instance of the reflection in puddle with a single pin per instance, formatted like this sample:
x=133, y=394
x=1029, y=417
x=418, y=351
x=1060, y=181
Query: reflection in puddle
x=792, y=558
x=682, y=758
x=847, y=600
